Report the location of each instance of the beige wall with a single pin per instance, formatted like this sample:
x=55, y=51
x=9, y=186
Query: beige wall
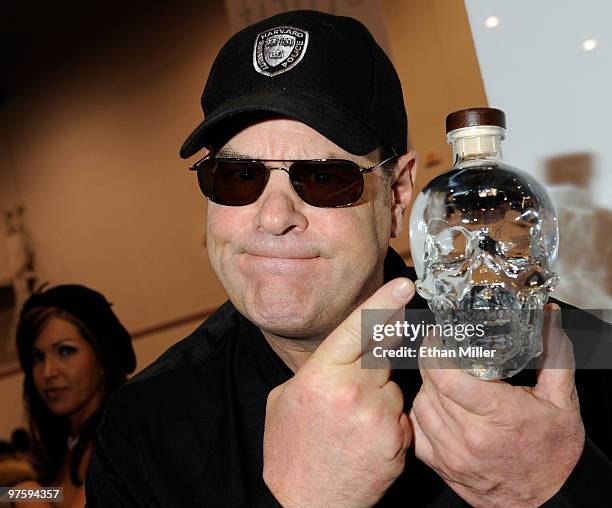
x=111, y=205
x=433, y=51
x=8, y=193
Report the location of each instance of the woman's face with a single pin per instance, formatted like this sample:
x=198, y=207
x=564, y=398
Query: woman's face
x=66, y=371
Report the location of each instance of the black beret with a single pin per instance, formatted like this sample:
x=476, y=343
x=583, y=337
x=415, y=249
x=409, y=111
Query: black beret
x=94, y=311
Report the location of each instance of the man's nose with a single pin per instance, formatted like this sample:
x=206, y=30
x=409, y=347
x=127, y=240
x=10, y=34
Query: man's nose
x=280, y=208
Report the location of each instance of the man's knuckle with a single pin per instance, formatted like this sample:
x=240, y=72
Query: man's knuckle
x=455, y=462
x=276, y=392
x=311, y=379
x=371, y=418
x=398, y=437
x=420, y=402
x=394, y=392
x=477, y=443
x=346, y=395
x=448, y=387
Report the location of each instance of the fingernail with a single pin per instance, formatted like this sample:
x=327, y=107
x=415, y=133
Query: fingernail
x=403, y=289
x=558, y=315
x=555, y=314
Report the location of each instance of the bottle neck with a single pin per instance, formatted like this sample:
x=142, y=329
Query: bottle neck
x=481, y=142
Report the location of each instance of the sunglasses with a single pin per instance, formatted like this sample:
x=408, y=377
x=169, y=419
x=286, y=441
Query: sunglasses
x=324, y=183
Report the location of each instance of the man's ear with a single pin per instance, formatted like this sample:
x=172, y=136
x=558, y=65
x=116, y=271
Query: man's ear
x=402, y=185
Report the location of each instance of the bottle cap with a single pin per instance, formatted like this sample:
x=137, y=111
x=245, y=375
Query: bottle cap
x=475, y=117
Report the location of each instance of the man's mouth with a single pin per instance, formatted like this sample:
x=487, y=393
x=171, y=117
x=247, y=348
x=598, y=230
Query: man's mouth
x=278, y=263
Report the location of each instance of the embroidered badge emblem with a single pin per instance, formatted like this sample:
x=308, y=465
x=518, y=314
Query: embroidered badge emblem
x=279, y=49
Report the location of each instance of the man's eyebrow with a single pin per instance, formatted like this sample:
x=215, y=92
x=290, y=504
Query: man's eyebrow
x=230, y=153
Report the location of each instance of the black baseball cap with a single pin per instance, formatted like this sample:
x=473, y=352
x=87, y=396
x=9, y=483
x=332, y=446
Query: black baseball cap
x=324, y=70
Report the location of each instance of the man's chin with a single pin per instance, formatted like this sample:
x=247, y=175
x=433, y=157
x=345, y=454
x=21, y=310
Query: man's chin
x=284, y=324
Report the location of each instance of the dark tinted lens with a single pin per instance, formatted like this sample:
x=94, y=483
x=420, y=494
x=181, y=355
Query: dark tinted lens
x=327, y=183
x=232, y=183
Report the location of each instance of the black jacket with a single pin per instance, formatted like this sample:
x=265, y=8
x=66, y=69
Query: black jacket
x=187, y=431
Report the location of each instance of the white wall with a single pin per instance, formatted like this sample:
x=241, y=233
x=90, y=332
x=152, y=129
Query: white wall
x=556, y=95
x=557, y=98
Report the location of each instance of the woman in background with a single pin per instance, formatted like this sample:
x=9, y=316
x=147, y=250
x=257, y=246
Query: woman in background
x=74, y=353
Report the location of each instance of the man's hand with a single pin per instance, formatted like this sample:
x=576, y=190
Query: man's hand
x=336, y=434
x=497, y=445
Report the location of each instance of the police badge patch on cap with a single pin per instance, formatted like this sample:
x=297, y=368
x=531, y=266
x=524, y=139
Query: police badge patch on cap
x=279, y=49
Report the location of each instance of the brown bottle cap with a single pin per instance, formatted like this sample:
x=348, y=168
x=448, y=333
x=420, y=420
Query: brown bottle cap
x=475, y=116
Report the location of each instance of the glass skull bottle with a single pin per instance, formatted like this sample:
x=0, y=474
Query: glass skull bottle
x=484, y=240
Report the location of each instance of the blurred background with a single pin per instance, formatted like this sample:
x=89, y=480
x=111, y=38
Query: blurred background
x=96, y=98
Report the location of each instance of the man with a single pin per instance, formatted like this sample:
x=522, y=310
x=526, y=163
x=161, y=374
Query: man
x=266, y=403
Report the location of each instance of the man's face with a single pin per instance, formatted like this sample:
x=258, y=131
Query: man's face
x=293, y=269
